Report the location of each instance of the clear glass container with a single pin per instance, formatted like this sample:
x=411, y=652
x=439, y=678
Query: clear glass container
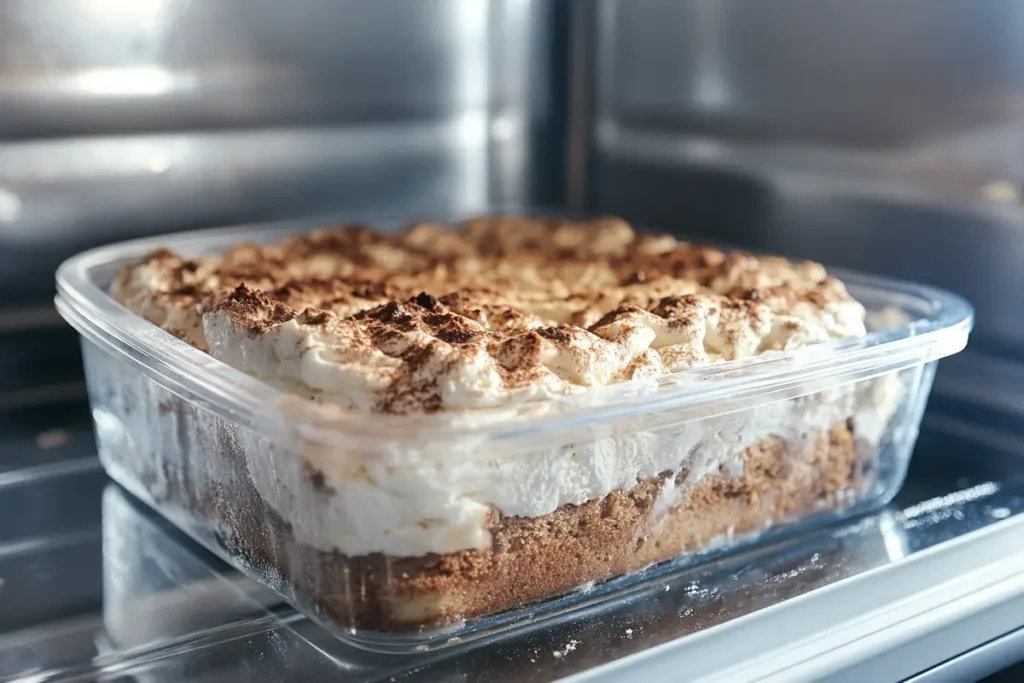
x=663, y=474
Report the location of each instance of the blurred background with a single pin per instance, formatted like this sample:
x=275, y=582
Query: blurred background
x=886, y=137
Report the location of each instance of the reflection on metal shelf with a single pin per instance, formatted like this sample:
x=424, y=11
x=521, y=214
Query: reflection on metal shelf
x=72, y=67
x=136, y=81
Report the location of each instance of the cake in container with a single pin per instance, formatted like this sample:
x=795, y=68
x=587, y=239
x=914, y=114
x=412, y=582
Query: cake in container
x=414, y=429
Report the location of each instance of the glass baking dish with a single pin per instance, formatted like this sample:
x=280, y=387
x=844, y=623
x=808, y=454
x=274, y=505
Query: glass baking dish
x=664, y=473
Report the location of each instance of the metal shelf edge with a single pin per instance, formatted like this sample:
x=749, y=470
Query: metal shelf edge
x=828, y=631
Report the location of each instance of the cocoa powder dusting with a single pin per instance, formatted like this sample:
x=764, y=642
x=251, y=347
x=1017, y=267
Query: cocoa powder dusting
x=498, y=289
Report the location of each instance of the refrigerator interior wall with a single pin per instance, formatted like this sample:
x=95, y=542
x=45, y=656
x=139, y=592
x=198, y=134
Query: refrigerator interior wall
x=122, y=119
x=878, y=137
x=133, y=118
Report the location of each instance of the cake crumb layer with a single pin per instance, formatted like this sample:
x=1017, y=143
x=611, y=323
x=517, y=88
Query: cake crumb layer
x=532, y=559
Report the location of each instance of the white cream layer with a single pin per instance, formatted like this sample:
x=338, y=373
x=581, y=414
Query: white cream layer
x=415, y=502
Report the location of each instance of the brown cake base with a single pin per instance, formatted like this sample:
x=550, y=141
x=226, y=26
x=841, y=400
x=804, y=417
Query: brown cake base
x=536, y=558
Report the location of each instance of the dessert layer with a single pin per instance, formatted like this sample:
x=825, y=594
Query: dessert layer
x=445, y=498
x=498, y=311
x=532, y=558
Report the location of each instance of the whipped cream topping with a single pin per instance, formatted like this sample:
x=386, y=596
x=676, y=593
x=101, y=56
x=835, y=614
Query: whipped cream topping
x=500, y=311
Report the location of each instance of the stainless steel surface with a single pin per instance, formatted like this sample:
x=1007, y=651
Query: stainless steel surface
x=855, y=133
x=130, y=597
x=88, y=66
x=863, y=76
x=120, y=119
x=1008, y=675
x=988, y=659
